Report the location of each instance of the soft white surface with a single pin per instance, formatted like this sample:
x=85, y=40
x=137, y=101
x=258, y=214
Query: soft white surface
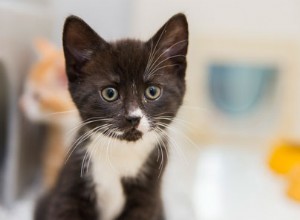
x=22, y=210
x=232, y=183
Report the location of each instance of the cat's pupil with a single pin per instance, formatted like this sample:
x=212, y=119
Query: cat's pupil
x=152, y=91
x=110, y=93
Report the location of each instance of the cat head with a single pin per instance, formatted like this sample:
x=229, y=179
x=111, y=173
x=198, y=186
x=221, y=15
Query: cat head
x=126, y=88
x=45, y=92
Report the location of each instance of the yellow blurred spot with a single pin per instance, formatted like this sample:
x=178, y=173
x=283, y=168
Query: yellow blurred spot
x=285, y=159
x=285, y=156
x=293, y=190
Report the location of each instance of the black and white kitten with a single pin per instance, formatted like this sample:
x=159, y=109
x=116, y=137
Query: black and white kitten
x=127, y=93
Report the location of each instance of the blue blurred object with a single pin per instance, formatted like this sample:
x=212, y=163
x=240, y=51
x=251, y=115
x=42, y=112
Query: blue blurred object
x=238, y=88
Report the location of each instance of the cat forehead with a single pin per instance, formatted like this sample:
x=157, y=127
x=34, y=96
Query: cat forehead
x=124, y=60
x=129, y=45
x=130, y=52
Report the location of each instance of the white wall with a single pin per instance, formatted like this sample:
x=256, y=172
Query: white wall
x=141, y=18
x=110, y=18
x=277, y=18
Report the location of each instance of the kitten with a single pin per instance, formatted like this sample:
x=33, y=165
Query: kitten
x=46, y=99
x=127, y=93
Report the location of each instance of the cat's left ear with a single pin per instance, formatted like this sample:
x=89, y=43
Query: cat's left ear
x=172, y=37
x=80, y=42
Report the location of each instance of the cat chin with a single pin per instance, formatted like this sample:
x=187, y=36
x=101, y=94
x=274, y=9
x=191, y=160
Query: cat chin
x=132, y=135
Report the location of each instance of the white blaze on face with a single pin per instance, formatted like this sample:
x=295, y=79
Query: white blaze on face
x=144, y=124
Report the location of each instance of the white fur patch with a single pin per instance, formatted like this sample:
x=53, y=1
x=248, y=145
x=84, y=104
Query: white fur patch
x=144, y=125
x=112, y=160
x=136, y=113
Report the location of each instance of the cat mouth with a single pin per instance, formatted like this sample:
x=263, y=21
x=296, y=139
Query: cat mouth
x=132, y=135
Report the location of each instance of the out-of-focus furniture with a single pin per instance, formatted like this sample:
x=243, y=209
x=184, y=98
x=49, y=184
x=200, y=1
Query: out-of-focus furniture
x=20, y=142
x=242, y=89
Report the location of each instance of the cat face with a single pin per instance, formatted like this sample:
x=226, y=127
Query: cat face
x=127, y=88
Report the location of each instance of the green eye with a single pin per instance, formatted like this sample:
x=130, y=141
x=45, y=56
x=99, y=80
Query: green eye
x=152, y=92
x=110, y=94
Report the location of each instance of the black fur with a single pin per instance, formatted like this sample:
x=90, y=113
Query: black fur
x=74, y=197
x=94, y=64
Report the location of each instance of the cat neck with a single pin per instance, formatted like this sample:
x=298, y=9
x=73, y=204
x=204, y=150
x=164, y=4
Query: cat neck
x=115, y=160
x=121, y=157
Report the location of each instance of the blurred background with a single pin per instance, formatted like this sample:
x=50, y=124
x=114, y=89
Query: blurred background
x=241, y=113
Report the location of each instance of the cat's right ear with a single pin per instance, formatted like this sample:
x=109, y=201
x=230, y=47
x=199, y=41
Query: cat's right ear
x=80, y=42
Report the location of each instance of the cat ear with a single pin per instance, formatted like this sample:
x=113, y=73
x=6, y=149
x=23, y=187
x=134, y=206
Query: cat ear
x=172, y=38
x=80, y=42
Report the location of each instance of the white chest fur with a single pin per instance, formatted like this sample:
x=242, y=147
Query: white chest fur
x=113, y=160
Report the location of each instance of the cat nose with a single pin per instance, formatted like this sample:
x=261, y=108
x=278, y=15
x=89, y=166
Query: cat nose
x=133, y=120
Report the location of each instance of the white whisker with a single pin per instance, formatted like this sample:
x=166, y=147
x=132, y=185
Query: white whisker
x=149, y=75
x=154, y=50
x=164, y=60
x=81, y=124
x=180, y=133
x=160, y=144
x=79, y=140
x=179, y=42
x=94, y=148
x=149, y=57
x=174, y=144
x=181, y=121
x=62, y=112
x=107, y=150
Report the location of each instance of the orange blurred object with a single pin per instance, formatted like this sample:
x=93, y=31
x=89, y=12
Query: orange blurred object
x=285, y=156
x=293, y=190
x=285, y=160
